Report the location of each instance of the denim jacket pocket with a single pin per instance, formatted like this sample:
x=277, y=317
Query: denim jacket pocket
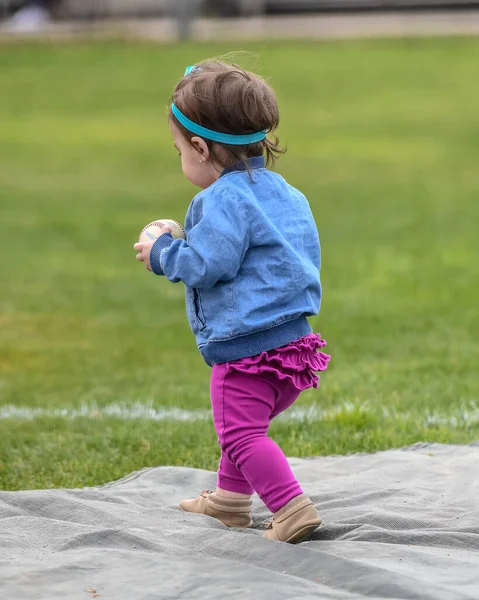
x=198, y=308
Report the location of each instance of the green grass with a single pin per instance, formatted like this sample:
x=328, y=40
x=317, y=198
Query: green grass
x=383, y=138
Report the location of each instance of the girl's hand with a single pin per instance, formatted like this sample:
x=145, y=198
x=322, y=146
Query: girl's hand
x=144, y=249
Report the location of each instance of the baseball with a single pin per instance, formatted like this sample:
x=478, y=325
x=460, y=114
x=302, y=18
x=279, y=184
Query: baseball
x=153, y=230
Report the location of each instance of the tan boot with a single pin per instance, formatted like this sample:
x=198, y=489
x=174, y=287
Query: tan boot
x=232, y=512
x=294, y=522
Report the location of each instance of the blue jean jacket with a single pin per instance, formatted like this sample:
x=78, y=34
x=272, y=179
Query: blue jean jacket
x=250, y=263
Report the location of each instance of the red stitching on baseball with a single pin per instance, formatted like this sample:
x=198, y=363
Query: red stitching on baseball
x=161, y=226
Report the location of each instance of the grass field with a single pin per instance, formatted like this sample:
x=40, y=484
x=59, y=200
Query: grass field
x=383, y=138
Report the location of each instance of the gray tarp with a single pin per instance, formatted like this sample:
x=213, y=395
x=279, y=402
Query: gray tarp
x=398, y=524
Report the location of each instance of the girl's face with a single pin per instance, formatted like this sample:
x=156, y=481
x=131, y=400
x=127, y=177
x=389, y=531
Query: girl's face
x=195, y=159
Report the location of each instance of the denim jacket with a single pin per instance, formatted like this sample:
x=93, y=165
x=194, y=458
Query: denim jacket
x=250, y=264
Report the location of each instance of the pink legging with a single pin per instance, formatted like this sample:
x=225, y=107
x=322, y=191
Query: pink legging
x=243, y=406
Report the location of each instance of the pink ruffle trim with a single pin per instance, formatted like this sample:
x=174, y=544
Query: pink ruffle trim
x=297, y=362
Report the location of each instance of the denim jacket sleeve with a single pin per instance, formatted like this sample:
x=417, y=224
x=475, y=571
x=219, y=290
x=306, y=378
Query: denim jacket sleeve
x=215, y=248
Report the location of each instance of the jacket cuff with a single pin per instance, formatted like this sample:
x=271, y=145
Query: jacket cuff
x=161, y=243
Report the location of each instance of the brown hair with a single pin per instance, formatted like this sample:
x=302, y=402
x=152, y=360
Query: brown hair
x=228, y=99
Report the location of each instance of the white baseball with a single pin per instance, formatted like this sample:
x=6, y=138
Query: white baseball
x=153, y=230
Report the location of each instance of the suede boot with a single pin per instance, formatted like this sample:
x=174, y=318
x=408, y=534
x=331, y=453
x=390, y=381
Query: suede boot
x=294, y=522
x=232, y=512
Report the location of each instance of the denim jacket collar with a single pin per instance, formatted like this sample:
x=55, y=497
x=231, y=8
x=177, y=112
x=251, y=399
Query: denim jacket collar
x=256, y=162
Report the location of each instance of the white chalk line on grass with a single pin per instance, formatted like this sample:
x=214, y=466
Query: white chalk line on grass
x=466, y=416
x=149, y=412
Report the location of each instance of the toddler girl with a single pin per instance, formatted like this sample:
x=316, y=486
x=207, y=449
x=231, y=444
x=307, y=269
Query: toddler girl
x=250, y=264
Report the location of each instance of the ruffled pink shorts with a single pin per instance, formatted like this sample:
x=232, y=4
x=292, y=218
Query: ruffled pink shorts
x=299, y=362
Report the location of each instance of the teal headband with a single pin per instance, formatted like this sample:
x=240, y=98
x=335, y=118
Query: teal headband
x=215, y=136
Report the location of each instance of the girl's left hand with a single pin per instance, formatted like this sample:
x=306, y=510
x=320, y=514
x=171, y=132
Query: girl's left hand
x=144, y=249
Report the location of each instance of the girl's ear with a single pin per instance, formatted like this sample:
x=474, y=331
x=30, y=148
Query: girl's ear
x=201, y=147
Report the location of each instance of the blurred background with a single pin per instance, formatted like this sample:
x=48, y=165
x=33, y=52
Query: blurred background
x=99, y=373
x=30, y=15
